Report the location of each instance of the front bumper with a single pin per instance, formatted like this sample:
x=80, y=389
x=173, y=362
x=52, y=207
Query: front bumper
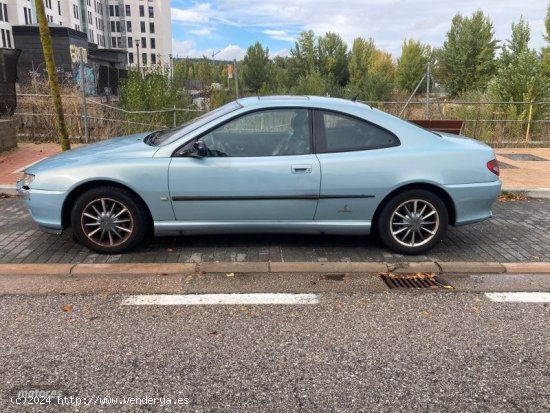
x=44, y=206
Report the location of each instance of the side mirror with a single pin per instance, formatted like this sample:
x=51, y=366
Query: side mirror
x=200, y=148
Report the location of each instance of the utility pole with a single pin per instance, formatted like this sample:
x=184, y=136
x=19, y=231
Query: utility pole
x=411, y=96
x=236, y=78
x=171, y=68
x=46, y=40
x=138, y=57
x=428, y=79
x=83, y=87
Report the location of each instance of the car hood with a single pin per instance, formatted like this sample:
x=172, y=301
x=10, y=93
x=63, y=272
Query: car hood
x=124, y=147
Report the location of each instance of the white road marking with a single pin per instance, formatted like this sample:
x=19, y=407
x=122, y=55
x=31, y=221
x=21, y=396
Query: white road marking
x=220, y=299
x=519, y=297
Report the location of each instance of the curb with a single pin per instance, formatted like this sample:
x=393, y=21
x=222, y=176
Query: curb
x=541, y=193
x=8, y=189
x=455, y=267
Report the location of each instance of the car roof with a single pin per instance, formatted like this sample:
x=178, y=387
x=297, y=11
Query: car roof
x=297, y=100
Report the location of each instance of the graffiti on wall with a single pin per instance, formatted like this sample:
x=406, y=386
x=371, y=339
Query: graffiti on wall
x=80, y=55
x=89, y=79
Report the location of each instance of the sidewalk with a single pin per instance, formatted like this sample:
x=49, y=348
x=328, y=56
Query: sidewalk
x=12, y=162
x=521, y=169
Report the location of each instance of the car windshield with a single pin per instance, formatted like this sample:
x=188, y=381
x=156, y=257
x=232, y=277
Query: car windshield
x=165, y=137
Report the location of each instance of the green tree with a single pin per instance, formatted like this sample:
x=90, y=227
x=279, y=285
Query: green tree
x=546, y=61
x=311, y=84
x=153, y=92
x=411, y=66
x=46, y=40
x=520, y=76
x=280, y=81
x=546, y=50
x=547, y=24
x=362, y=54
x=183, y=70
x=205, y=73
x=517, y=44
x=255, y=67
x=372, y=71
x=380, y=81
x=467, y=59
x=333, y=59
x=304, y=55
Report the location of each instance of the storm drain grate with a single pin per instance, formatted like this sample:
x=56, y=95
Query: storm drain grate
x=415, y=282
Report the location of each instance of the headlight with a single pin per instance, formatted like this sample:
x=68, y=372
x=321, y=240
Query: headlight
x=27, y=179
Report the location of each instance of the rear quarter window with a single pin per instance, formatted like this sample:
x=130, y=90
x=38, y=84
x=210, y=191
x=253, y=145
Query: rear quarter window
x=343, y=133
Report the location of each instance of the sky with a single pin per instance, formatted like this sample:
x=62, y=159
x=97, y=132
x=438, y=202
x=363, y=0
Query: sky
x=227, y=28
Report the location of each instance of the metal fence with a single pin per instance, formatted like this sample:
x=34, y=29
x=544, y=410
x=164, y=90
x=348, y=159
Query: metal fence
x=497, y=123
x=35, y=120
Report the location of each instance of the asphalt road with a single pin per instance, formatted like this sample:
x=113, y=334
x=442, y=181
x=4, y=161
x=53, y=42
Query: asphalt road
x=360, y=349
x=519, y=231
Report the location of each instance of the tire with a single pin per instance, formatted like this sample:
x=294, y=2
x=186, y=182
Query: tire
x=413, y=222
x=108, y=220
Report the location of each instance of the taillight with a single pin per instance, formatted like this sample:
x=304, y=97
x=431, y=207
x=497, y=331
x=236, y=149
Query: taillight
x=493, y=167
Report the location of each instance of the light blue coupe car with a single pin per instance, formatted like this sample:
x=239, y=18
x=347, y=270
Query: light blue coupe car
x=268, y=164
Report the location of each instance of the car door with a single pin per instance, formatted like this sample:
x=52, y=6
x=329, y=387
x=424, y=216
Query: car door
x=358, y=162
x=258, y=166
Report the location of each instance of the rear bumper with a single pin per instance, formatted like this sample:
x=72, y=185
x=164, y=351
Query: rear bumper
x=44, y=206
x=473, y=202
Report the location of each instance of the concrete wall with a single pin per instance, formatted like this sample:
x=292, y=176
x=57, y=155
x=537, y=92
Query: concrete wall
x=27, y=38
x=7, y=135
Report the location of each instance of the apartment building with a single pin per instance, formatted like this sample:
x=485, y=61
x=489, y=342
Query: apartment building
x=143, y=28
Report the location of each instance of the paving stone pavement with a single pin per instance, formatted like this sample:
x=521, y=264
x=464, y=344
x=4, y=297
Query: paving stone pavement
x=518, y=232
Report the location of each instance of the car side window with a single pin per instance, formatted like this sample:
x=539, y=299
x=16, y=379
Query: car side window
x=341, y=133
x=271, y=132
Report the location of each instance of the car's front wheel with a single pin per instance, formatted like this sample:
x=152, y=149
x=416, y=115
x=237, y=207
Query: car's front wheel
x=108, y=220
x=413, y=222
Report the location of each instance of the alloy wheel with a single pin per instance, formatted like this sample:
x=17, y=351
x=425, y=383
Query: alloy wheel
x=414, y=222
x=107, y=222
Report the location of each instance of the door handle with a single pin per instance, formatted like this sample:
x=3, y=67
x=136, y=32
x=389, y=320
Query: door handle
x=301, y=169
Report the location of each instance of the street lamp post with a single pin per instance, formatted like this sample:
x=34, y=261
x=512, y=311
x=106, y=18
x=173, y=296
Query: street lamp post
x=137, y=57
x=171, y=67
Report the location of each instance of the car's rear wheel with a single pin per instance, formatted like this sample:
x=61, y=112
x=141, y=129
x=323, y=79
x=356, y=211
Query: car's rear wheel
x=413, y=222
x=108, y=220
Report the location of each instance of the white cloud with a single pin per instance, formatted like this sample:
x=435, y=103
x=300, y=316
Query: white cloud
x=231, y=52
x=280, y=35
x=204, y=31
x=187, y=48
x=280, y=53
x=388, y=22
x=183, y=47
x=198, y=14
